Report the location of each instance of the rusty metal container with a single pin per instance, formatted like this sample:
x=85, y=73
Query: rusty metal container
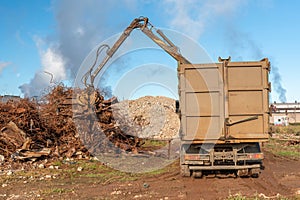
x=224, y=102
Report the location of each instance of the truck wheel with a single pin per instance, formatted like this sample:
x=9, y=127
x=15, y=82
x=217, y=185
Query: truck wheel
x=197, y=174
x=185, y=171
x=254, y=173
x=243, y=173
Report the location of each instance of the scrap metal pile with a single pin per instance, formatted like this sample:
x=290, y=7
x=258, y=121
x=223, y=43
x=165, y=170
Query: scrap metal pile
x=31, y=129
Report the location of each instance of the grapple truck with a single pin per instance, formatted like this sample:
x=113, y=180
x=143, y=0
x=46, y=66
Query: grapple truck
x=223, y=107
x=224, y=116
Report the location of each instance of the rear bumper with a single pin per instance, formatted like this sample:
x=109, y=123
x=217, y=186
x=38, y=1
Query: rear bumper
x=223, y=167
x=219, y=156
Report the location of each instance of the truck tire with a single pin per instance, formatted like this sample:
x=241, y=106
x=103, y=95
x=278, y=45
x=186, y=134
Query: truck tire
x=197, y=174
x=243, y=173
x=254, y=173
x=185, y=171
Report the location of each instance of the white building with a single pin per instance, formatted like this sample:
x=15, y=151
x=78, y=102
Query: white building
x=285, y=113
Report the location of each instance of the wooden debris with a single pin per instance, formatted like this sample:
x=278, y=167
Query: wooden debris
x=11, y=138
x=59, y=125
x=22, y=154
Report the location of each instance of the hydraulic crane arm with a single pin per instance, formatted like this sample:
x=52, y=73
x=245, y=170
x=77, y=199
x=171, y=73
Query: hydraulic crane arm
x=144, y=25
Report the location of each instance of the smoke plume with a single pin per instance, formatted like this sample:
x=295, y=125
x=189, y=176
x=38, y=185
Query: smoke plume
x=276, y=80
x=241, y=45
x=80, y=26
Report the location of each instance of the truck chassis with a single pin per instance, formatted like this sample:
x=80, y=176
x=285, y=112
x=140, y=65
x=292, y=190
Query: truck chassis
x=242, y=159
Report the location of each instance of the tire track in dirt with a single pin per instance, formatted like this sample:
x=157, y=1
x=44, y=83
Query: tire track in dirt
x=281, y=176
x=278, y=177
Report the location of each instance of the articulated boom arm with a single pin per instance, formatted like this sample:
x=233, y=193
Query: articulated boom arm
x=144, y=25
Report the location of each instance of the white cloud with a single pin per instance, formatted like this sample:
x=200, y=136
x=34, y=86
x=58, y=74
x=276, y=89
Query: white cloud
x=193, y=16
x=3, y=65
x=53, y=63
x=51, y=59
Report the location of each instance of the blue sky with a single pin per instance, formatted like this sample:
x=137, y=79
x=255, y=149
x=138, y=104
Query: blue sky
x=56, y=36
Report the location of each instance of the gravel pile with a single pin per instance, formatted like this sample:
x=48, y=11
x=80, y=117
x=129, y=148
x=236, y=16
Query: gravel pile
x=148, y=117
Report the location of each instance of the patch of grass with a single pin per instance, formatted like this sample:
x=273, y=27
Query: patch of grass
x=69, y=170
x=94, y=175
x=89, y=166
x=99, y=171
x=52, y=191
x=293, y=129
x=111, y=176
x=282, y=148
x=22, y=175
x=57, y=163
x=89, y=169
x=109, y=173
x=113, y=172
x=58, y=190
x=236, y=197
x=154, y=143
x=289, y=153
x=157, y=172
x=28, y=174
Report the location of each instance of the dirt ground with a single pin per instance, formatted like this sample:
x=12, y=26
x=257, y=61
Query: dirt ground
x=280, y=178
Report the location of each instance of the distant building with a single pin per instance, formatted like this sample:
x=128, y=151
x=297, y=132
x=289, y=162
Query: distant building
x=285, y=113
x=6, y=98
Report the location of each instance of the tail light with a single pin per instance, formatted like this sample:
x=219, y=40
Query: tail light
x=255, y=156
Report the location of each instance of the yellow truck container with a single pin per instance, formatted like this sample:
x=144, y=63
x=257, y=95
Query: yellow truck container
x=224, y=116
